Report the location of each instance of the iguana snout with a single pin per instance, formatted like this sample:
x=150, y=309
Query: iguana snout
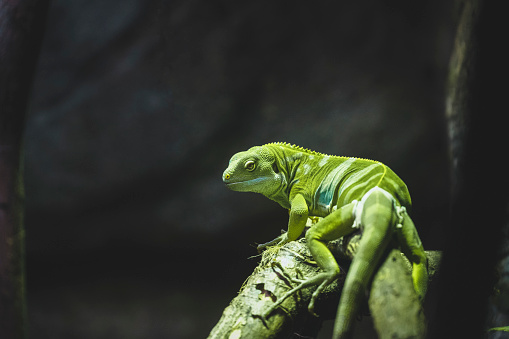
x=252, y=171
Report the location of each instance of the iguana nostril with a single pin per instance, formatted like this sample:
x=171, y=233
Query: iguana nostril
x=227, y=176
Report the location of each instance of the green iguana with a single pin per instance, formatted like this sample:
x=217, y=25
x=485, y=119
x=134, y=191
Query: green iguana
x=350, y=194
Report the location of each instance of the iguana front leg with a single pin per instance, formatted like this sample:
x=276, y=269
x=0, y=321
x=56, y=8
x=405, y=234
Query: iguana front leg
x=296, y=223
x=298, y=218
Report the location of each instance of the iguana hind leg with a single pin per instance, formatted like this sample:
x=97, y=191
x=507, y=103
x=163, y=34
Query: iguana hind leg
x=411, y=246
x=335, y=225
x=377, y=218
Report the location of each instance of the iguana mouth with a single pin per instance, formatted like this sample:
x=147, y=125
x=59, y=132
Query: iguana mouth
x=233, y=183
x=246, y=182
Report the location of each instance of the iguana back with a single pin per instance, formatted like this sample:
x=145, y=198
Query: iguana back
x=328, y=181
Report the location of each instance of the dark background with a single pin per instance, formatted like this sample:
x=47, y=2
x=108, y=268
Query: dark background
x=137, y=107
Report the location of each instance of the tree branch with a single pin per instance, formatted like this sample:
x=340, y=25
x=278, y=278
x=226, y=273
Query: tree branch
x=391, y=286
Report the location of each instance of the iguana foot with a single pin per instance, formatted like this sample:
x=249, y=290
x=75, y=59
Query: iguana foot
x=280, y=240
x=327, y=280
x=322, y=279
x=288, y=277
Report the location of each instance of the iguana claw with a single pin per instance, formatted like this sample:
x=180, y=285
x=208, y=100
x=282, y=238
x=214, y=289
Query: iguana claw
x=280, y=240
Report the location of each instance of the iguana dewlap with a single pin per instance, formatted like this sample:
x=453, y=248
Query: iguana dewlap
x=349, y=193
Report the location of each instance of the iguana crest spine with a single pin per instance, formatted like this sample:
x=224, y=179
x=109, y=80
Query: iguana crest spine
x=309, y=151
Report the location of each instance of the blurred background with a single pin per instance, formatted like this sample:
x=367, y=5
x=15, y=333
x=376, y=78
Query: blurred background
x=137, y=107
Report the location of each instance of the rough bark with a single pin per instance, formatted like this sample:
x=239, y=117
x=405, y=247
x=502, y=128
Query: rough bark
x=392, y=283
x=21, y=27
x=459, y=86
x=397, y=312
x=241, y=318
x=479, y=207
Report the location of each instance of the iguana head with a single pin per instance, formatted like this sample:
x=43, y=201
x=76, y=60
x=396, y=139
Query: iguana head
x=254, y=170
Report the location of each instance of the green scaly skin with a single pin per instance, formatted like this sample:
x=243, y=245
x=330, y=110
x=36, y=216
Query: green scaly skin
x=349, y=193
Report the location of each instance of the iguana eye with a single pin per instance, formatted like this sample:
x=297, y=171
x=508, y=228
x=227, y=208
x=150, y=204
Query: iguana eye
x=250, y=165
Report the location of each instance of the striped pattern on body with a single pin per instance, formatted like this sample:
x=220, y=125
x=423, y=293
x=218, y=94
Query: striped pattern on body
x=328, y=181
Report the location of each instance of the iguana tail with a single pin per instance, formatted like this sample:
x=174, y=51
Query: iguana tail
x=377, y=218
